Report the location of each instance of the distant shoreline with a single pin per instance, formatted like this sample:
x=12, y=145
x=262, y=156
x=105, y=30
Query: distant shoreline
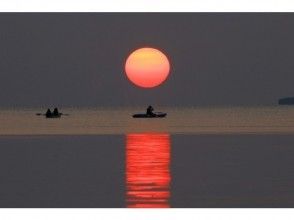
x=286, y=101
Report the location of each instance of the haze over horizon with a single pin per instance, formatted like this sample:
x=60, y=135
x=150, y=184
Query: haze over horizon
x=77, y=59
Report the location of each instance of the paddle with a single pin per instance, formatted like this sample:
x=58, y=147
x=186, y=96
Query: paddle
x=158, y=112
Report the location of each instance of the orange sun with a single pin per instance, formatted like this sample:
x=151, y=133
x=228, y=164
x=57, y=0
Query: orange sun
x=147, y=67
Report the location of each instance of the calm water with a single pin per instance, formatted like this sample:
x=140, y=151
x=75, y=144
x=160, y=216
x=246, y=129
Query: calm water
x=224, y=120
x=223, y=157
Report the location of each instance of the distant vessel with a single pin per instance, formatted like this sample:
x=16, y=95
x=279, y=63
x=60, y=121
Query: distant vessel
x=155, y=115
x=54, y=116
x=51, y=116
x=150, y=114
x=286, y=101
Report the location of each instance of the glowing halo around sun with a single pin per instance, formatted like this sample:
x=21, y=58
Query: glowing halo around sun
x=147, y=67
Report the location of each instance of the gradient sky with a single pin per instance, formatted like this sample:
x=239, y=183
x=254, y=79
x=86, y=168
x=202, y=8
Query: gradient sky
x=78, y=59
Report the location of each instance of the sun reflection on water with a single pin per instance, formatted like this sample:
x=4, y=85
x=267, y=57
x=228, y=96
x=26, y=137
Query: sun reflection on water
x=148, y=170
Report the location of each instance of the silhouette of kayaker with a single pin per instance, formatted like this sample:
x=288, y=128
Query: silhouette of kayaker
x=150, y=114
x=150, y=110
x=55, y=112
x=48, y=113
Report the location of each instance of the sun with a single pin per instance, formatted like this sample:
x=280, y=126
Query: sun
x=147, y=67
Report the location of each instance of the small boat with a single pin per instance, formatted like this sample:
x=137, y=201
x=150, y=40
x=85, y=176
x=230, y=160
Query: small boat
x=54, y=116
x=156, y=115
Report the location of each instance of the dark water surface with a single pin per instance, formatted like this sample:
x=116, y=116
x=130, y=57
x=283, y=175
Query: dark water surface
x=147, y=170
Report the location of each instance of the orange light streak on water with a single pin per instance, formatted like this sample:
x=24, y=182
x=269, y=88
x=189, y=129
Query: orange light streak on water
x=147, y=170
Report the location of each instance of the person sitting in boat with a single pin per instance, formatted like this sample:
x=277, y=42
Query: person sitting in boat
x=149, y=111
x=55, y=112
x=48, y=113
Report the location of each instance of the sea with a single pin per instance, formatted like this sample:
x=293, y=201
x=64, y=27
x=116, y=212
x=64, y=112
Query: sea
x=196, y=157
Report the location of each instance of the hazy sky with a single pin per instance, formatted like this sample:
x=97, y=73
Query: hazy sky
x=78, y=59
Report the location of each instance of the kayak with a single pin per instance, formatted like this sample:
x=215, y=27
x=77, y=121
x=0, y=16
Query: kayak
x=156, y=115
x=53, y=116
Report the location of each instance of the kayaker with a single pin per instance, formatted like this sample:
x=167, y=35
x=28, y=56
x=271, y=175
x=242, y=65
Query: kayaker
x=149, y=111
x=48, y=113
x=55, y=112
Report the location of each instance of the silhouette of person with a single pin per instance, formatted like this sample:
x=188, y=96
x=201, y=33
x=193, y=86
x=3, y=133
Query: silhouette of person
x=55, y=112
x=149, y=111
x=48, y=113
